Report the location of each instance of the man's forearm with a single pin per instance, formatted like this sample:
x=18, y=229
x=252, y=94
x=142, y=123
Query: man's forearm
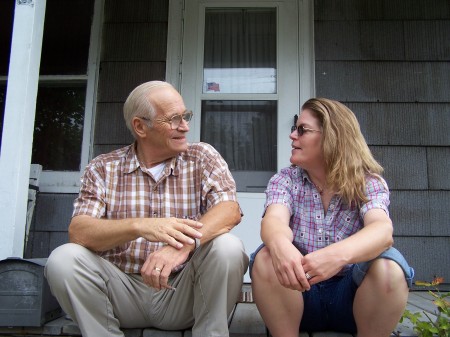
x=219, y=219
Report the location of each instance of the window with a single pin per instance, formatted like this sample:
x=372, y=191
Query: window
x=240, y=58
x=65, y=94
x=58, y=133
x=240, y=75
x=6, y=26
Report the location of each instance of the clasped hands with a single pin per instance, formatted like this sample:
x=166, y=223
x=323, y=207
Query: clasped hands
x=179, y=236
x=298, y=272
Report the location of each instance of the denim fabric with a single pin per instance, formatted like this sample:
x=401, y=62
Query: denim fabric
x=329, y=304
x=360, y=269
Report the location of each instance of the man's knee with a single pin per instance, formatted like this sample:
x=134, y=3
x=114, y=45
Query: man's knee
x=228, y=249
x=62, y=262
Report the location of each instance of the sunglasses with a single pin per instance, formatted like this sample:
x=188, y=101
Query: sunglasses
x=301, y=130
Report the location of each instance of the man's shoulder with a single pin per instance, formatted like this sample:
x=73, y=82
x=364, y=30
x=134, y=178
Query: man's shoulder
x=112, y=156
x=199, y=150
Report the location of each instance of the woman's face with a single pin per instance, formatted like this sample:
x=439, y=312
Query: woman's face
x=307, y=149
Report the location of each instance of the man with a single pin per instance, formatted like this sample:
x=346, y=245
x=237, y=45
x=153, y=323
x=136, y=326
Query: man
x=150, y=243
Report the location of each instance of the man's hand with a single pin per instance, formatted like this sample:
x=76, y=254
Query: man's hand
x=173, y=231
x=159, y=265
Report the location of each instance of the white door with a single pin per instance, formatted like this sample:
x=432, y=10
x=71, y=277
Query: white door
x=242, y=74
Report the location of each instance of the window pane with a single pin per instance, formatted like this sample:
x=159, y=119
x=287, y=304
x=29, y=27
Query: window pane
x=65, y=44
x=58, y=129
x=6, y=26
x=240, y=50
x=245, y=133
x=2, y=110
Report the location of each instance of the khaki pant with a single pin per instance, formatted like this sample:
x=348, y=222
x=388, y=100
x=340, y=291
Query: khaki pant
x=100, y=298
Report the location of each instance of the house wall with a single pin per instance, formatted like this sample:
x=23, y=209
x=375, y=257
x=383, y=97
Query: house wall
x=389, y=61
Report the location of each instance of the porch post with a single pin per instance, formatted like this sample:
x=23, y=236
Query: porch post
x=17, y=138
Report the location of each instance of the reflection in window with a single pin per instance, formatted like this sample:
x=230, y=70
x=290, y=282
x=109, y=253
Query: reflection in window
x=240, y=50
x=59, y=127
x=2, y=109
x=244, y=133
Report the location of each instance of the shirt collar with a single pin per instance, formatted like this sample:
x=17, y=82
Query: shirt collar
x=132, y=163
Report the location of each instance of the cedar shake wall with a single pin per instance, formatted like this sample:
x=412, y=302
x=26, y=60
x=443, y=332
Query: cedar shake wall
x=389, y=61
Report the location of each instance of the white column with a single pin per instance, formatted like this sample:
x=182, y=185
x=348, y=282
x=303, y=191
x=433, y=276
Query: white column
x=17, y=138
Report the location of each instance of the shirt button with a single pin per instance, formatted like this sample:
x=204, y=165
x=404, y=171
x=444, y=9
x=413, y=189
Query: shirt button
x=320, y=230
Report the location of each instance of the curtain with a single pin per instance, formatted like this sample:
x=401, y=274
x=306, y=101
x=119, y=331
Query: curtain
x=240, y=58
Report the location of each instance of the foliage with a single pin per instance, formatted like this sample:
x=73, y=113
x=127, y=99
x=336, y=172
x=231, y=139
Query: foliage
x=427, y=326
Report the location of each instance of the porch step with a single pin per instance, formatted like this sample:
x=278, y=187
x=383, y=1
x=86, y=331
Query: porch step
x=245, y=322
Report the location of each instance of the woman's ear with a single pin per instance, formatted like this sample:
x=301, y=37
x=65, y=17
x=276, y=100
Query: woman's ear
x=140, y=127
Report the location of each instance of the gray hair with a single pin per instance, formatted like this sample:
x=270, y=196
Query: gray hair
x=138, y=103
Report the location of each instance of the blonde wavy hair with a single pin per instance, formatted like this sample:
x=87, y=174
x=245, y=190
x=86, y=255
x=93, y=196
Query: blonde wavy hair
x=348, y=159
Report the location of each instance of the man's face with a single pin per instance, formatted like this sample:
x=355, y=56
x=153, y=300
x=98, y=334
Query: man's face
x=165, y=140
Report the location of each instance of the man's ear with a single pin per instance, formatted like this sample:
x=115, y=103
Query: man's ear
x=139, y=127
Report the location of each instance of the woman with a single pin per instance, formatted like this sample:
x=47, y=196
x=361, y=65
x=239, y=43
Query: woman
x=327, y=262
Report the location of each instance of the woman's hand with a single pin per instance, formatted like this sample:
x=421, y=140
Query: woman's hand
x=287, y=263
x=321, y=265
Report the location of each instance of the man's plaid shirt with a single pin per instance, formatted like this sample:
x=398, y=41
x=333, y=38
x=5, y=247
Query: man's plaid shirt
x=115, y=186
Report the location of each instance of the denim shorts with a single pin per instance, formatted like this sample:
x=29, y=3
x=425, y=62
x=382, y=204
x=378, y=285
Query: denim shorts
x=328, y=305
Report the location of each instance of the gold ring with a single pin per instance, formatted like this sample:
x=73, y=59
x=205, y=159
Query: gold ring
x=158, y=269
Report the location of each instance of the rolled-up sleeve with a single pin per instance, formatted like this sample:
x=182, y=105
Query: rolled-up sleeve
x=377, y=192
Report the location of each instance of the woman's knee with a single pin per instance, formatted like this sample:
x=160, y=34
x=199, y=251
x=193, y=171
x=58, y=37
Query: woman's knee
x=262, y=268
x=387, y=274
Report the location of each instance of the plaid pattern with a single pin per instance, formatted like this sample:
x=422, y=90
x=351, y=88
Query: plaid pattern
x=312, y=228
x=115, y=186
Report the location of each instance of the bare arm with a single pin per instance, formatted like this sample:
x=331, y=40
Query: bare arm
x=286, y=258
x=368, y=243
x=101, y=234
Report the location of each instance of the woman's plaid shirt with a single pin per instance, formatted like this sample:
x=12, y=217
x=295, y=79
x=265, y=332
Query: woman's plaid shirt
x=312, y=227
x=115, y=186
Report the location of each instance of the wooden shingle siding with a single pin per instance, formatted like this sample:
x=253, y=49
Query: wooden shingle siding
x=439, y=168
x=134, y=50
x=112, y=129
x=134, y=42
x=420, y=213
x=419, y=124
x=117, y=79
x=389, y=61
x=405, y=167
x=344, y=10
x=385, y=81
x=50, y=224
x=136, y=11
x=427, y=255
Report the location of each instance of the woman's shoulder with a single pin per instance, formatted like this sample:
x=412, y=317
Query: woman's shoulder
x=376, y=183
x=288, y=175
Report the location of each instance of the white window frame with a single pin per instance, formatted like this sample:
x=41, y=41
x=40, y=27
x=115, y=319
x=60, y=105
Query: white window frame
x=303, y=89
x=69, y=181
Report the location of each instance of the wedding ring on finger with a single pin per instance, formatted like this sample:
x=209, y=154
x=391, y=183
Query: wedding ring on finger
x=158, y=269
x=308, y=277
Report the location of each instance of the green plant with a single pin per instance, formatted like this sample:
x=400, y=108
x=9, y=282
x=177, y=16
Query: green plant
x=429, y=327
